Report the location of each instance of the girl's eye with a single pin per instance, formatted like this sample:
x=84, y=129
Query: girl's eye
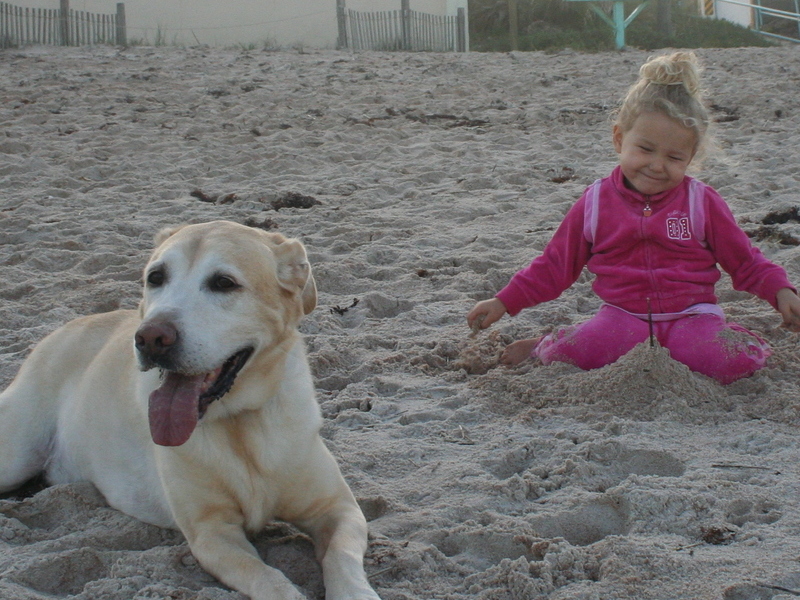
x=156, y=278
x=223, y=283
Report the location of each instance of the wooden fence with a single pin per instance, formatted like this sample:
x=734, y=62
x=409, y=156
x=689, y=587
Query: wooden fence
x=403, y=29
x=60, y=26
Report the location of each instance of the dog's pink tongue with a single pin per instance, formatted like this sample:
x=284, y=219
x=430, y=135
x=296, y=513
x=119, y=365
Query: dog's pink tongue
x=173, y=409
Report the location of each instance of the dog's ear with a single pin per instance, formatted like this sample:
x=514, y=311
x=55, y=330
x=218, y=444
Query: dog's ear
x=165, y=233
x=294, y=272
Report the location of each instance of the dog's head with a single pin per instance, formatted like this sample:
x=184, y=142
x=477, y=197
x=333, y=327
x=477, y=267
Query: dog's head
x=216, y=296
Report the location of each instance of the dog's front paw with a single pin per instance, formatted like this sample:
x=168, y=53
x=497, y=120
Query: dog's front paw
x=362, y=592
x=281, y=591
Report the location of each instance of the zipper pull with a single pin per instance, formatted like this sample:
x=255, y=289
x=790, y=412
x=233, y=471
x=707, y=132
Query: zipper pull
x=647, y=211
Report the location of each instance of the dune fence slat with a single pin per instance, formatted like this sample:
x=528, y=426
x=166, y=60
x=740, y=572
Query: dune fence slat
x=401, y=30
x=60, y=26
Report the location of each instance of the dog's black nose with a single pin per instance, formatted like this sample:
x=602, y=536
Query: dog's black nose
x=155, y=339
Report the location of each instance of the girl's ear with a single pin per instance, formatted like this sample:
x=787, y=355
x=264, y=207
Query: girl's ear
x=616, y=137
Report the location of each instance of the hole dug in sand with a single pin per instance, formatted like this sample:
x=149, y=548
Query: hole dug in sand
x=495, y=540
x=556, y=564
x=585, y=524
x=783, y=587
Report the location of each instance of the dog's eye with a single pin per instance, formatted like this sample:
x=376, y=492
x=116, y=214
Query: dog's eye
x=222, y=283
x=156, y=278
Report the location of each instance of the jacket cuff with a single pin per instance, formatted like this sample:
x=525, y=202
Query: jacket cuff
x=511, y=299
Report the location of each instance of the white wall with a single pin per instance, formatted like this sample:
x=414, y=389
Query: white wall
x=220, y=23
x=741, y=15
x=310, y=23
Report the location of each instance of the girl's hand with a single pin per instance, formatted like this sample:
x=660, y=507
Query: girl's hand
x=485, y=313
x=789, y=307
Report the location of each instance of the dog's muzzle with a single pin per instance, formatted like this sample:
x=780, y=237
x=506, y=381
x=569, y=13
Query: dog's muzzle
x=182, y=398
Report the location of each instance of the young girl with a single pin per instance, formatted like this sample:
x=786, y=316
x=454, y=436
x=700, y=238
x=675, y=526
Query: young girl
x=653, y=238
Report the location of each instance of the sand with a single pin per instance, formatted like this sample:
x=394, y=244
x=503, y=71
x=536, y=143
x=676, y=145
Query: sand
x=422, y=183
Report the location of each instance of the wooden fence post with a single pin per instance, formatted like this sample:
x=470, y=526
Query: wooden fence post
x=405, y=23
x=341, y=20
x=461, y=32
x=121, y=34
x=513, y=24
x=64, y=19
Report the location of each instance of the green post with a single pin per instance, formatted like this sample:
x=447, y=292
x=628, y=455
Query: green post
x=617, y=21
x=619, y=24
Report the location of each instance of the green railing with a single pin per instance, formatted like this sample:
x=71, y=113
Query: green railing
x=618, y=21
x=759, y=12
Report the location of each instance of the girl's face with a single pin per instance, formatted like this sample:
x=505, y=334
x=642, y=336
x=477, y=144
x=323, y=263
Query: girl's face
x=655, y=152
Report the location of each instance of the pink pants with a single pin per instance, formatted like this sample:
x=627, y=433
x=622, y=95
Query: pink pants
x=705, y=343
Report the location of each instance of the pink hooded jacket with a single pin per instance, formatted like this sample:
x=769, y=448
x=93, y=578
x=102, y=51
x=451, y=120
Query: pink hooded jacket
x=670, y=256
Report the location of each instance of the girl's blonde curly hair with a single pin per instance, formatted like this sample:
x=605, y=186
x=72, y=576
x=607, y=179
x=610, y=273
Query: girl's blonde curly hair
x=670, y=84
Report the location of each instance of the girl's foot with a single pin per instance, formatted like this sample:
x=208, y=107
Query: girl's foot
x=517, y=352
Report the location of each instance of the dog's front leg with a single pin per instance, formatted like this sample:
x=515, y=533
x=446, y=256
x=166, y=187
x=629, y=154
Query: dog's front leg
x=340, y=538
x=224, y=551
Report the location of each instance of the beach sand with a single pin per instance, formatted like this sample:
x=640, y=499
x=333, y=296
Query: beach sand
x=436, y=177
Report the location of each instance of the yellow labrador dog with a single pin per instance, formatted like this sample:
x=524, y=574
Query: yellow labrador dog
x=197, y=411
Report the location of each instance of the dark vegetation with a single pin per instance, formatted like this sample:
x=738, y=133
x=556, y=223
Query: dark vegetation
x=553, y=25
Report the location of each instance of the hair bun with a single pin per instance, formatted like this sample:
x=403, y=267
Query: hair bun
x=679, y=68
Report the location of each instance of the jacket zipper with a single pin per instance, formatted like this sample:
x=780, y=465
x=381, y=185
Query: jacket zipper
x=646, y=212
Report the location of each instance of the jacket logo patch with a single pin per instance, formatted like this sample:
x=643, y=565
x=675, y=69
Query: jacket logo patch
x=678, y=229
